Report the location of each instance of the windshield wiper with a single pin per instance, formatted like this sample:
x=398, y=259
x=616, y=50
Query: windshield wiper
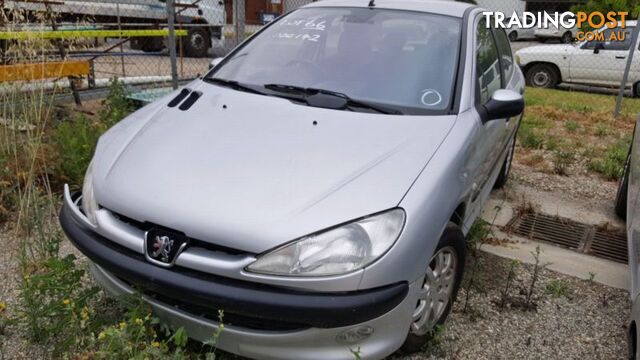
x=232, y=84
x=319, y=97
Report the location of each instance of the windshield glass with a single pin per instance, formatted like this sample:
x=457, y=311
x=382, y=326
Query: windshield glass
x=397, y=58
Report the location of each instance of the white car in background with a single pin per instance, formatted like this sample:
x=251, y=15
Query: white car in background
x=516, y=32
x=599, y=63
x=565, y=36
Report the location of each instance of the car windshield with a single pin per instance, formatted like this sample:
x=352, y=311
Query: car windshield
x=403, y=60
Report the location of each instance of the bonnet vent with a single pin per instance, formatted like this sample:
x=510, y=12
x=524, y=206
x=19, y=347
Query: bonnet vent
x=193, y=97
x=178, y=99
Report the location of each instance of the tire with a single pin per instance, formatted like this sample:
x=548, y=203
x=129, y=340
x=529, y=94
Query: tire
x=513, y=36
x=501, y=181
x=635, y=90
x=451, y=242
x=542, y=76
x=621, y=195
x=197, y=43
x=567, y=38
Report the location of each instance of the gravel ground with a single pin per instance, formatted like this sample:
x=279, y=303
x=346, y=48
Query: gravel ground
x=585, y=322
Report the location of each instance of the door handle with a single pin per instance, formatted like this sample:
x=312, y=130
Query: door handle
x=620, y=57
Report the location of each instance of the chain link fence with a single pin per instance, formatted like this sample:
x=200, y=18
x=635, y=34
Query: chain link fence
x=81, y=44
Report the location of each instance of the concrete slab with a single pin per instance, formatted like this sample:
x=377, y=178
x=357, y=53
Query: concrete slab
x=562, y=260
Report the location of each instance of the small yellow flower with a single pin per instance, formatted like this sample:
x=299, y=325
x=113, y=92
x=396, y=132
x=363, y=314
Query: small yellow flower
x=123, y=325
x=155, y=344
x=2, y=306
x=66, y=301
x=139, y=321
x=102, y=335
x=84, y=313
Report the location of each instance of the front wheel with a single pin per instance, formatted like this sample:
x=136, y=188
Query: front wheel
x=542, y=76
x=567, y=38
x=439, y=288
x=513, y=36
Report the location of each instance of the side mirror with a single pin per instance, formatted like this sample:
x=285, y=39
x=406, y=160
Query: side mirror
x=215, y=62
x=597, y=47
x=503, y=105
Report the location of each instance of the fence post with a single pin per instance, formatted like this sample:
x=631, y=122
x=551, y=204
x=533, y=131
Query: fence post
x=171, y=13
x=625, y=77
x=239, y=14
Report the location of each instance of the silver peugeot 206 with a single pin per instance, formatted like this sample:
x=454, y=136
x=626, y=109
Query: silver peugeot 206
x=316, y=185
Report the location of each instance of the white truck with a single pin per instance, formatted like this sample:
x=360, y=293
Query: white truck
x=204, y=19
x=597, y=62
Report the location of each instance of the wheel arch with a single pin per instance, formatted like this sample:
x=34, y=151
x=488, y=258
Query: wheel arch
x=458, y=214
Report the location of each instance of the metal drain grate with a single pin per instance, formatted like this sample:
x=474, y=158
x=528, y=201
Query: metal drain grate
x=610, y=245
x=604, y=243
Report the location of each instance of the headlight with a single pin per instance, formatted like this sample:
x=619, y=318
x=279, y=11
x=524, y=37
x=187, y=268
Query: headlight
x=89, y=204
x=337, y=251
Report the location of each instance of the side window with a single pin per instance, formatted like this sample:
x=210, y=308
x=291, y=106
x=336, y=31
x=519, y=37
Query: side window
x=611, y=45
x=616, y=44
x=506, y=58
x=487, y=65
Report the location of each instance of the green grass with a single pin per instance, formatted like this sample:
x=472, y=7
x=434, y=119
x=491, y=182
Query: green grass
x=572, y=126
x=580, y=101
x=611, y=163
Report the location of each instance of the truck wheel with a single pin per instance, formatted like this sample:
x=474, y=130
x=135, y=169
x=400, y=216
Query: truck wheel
x=197, y=43
x=441, y=282
x=542, y=76
x=513, y=36
x=567, y=37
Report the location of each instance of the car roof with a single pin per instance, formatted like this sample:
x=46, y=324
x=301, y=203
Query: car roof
x=444, y=7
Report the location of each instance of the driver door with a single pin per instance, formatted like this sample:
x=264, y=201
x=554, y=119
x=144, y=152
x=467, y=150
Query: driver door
x=601, y=62
x=489, y=141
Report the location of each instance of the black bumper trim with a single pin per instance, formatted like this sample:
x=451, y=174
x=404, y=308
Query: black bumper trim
x=321, y=310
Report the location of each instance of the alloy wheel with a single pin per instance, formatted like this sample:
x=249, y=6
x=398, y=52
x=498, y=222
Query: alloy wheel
x=435, y=294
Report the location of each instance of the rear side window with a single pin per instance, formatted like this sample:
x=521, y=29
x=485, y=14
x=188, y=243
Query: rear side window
x=506, y=58
x=488, y=72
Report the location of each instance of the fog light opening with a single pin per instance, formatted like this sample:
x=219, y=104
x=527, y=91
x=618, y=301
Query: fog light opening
x=354, y=335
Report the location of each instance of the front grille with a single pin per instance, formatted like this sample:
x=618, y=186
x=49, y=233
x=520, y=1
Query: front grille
x=146, y=226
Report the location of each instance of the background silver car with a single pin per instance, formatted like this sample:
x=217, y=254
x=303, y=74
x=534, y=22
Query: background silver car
x=316, y=185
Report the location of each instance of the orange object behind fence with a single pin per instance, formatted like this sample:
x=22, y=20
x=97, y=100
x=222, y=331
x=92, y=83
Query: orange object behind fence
x=37, y=71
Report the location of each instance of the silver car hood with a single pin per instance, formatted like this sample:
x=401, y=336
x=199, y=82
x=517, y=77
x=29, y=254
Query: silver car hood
x=257, y=172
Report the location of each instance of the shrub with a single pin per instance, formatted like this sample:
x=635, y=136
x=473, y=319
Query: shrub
x=558, y=288
x=75, y=142
x=612, y=163
x=116, y=106
x=562, y=159
x=530, y=138
x=571, y=126
x=54, y=304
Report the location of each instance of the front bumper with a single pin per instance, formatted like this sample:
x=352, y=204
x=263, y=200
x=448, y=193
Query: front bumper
x=305, y=323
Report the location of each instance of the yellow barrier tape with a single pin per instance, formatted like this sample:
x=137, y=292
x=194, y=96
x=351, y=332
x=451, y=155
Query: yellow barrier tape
x=74, y=34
